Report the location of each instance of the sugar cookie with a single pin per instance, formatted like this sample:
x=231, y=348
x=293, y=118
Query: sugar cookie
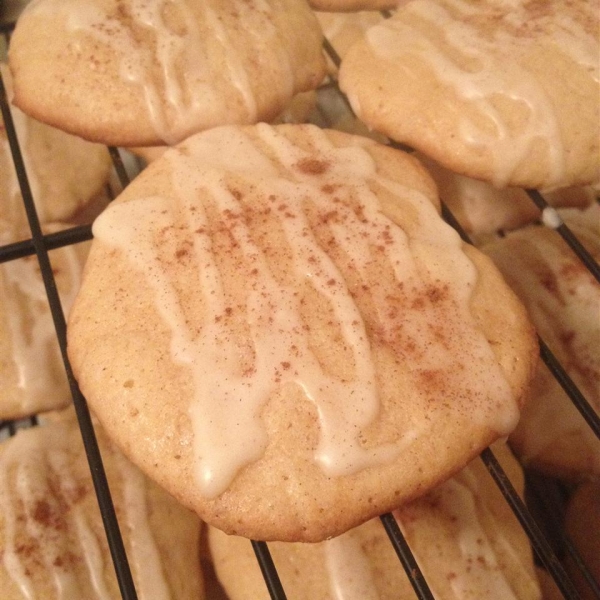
x=502, y=91
x=276, y=324
x=52, y=538
x=137, y=72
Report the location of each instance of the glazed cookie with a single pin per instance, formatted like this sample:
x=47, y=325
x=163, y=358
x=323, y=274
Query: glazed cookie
x=65, y=173
x=276, y=324
x=562, y=298
x=500, y=91
x=52, y=539
x=481, y=208
x=465, y=538
x=31, y=368
x=135, y=73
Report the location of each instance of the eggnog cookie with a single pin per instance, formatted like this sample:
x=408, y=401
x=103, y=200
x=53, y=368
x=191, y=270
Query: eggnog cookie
x=563, y=301
x=31, y=368
x=276, y=324
x=465, y=538
x=52, y=539
x=506, y=92
x=145, y=73
x=65, y=173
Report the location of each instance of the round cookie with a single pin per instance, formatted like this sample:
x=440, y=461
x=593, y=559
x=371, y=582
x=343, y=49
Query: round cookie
x=500, y=91
x=276, y=325
x=52, y=537
x=65, y=173
x=134, y=73
x=562, y=299
x=31, y=367
x=465, y=538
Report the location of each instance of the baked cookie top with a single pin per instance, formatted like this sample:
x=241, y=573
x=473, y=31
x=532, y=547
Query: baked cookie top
x=52, y=536
x=137, y=72
x=276, y=324
x=501, y=91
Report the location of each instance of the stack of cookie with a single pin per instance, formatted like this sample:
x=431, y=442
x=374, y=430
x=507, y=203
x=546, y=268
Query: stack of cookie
x=275, y=324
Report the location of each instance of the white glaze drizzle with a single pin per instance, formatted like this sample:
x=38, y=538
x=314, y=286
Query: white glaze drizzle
x=27, y=456
x=235, y=66
x=143, y=552
x=490, y=78
x=224, y=444
x=184, y=59
x=58, y=460
x=350, y=574
x=137, y=60
x=551, y=218
x=481, y=571
x=29, y=461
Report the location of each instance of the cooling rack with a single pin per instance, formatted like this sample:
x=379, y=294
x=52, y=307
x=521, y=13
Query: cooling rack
x=549, y=543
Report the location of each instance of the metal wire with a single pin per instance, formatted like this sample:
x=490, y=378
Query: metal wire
x=539, y=543
x=579, y=401
x=557, y=223
x=115, y=541
x=268, y=570
x=404, y=553
x=66, y=237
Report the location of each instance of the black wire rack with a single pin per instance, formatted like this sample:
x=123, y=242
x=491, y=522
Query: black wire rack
x=549, y=545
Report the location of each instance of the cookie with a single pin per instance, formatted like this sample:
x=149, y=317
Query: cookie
x=562, y=299
x=66, y=174
x=481, y=208
x=31, y=367
x=499, y=91
x=52, y=537
x=278, y=327
x=134, y=73
x=453, y=532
